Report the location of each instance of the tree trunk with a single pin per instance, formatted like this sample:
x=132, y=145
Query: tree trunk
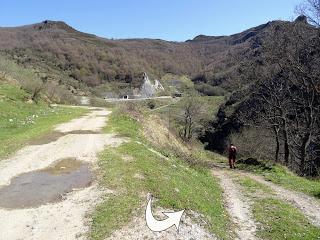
x=277, y=149
x=303, y=153
x=185, y=129
x=189, y=130
x=286, y=144
x=286, y=152
x=276, y=132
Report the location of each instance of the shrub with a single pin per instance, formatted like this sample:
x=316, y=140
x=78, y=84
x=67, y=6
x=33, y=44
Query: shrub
x=151, y=104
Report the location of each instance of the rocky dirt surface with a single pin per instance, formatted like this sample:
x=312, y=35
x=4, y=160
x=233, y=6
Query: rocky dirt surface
x=308, y=205
x=65, y=219
x=188, y=230
x=237, y=205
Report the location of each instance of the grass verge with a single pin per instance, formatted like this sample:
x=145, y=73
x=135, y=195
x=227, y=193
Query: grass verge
x=277, y=219
x=282, y=176
x=132, y=170
x=21, y=121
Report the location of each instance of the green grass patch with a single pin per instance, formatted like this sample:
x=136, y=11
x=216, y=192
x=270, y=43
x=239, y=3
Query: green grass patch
x=212, y=104
x=254, y=186
x=280, y=220
x=277, y=219
x=122, y=124
x=281, y=175
x=173, y=83
x=205, y=155
x=132, y=170
x=21, y=121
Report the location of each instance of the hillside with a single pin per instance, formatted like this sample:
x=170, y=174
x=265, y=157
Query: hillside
x=80, y=60
x=83, y=61
x=22, y=120
x=209, y=138
x=276, y=116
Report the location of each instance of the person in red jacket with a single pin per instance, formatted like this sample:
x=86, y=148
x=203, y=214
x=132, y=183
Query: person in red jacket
x=232, y=155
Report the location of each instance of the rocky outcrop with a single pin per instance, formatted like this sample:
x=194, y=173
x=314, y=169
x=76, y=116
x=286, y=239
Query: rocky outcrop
x=148, y=89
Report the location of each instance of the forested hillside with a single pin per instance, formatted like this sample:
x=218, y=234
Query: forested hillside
x=277, y=116
x=269, y=74
x=83, y=61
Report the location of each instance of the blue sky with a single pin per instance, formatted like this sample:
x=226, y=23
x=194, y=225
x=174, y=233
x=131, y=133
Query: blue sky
x=176, y=20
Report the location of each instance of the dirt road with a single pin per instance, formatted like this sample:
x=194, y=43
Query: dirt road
x=309, y=206
x=237, y=205
x=81, y=139
x=135, y=99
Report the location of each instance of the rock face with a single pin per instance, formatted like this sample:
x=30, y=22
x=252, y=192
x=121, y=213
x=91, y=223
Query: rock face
x=302, y=18
x=158, y=86
x=148, y=89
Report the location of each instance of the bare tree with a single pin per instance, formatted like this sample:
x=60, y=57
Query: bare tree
x=310, y=9
x=267, y=109
x=51, y=90
x=190, y=116
x=287, y=96
x=304, y=60
x=34, y=86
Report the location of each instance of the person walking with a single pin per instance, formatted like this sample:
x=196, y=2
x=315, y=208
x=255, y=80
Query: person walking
x=232, y=155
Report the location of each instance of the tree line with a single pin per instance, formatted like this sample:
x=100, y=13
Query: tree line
x=286, y=97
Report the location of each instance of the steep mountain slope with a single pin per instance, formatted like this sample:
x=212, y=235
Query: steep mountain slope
x=276, y=115
x=92, y=60
x=77, y=59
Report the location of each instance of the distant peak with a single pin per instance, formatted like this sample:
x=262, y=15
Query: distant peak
x=49, y=24
x=302, y=18
x=201, y=38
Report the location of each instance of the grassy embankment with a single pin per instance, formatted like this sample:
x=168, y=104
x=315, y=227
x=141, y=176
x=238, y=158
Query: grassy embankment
x=282, y=176
x=21, y=121
x=132, y=170
x=212, y=105
x=276, y=219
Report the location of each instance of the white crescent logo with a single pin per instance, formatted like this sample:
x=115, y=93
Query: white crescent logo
x=158, y=226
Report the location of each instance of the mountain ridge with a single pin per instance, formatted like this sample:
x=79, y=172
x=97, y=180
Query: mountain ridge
x=85, y=60
x=59, y=24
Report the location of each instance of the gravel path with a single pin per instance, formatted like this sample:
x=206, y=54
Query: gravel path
x=137, y=230
x=237, y=205
x=67, y=218
x=309, y=206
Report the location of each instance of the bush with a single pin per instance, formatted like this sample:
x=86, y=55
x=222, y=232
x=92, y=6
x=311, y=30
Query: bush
x=151, y=104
